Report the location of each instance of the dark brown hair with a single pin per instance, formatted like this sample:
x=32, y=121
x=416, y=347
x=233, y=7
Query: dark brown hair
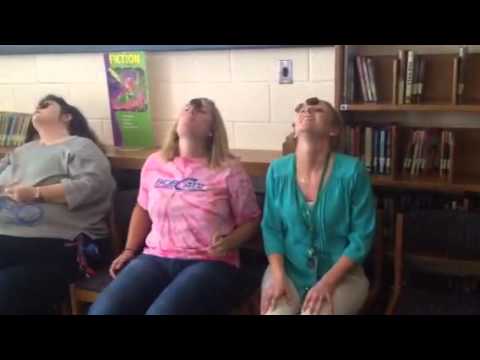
x=78, y=125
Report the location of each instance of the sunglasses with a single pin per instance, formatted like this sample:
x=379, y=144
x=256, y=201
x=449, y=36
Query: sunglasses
x=44, y=105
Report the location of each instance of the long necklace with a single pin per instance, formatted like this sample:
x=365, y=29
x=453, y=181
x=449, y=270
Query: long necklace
x=307, y=216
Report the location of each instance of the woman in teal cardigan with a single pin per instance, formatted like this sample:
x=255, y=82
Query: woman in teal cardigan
x=318, y=223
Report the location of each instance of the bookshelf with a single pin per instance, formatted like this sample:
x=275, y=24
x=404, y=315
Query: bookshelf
x=440, y=97
x=439, y=108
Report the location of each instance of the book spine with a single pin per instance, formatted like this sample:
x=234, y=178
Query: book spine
x=16, y=130
x=423, y=158
x=23, y=136
x=421, y=79
x=416, y=149
x=450, y=152
x=461, y=73
x=9, y=129
x=401, y=76
x=371, y=73
x=375, y=150
x=442, y=153
x=409, y=77
x=367, y=79
x=388, y=150
x=408, y=153
x=368, y=148
x=346, y=83
x=446, y=154
x=351, y=79
x=361, y=78
x=3, y=122
x=382, y=151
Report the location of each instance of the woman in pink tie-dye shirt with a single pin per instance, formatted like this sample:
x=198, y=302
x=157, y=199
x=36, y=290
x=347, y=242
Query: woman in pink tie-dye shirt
x=196, y=205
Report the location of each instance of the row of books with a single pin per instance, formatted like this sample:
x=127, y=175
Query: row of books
x=429, y=151
x=372, y=144
x=360, y=82
x=13, y=128
x=366, y=76
x=411, y=77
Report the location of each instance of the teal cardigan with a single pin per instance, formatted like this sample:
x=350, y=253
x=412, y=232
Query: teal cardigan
x=344, y=215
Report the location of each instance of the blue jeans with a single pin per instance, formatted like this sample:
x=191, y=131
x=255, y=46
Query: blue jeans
x=160, y=286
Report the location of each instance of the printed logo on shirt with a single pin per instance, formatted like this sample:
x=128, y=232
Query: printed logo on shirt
x=187, y=184
x=19, y=213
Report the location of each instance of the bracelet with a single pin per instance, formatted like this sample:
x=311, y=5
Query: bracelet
x=38, y=195
x=132, y=250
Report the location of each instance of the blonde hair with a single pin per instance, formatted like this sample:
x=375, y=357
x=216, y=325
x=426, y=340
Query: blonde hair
x=218, y=149
x=336, y=120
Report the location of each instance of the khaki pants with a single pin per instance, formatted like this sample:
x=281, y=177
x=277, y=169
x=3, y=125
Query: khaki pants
x=348, y=297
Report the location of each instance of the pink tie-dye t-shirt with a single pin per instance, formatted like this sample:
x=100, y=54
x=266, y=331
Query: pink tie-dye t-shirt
x=189, y=203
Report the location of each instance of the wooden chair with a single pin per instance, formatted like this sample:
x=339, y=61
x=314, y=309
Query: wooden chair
x=86, y=290
x=436, y=225
x=376, y=260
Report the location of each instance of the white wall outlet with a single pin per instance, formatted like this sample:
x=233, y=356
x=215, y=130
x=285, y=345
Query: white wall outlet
x=286, y=72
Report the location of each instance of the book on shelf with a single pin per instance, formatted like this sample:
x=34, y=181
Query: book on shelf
x=409, y=77
x=362, y=78
x=375, y=151
x=349, y=77
x=402, y=70
x=368, y=81
x=424, y=152
x=462, y=62
x=372, y=144
x=421, y=79
x=451, y=144
x=381, y=157
x=368, y=148
x=415, y=79
x=388, y=152
x=446, y=151
x=366, y=78
x=13, y=128
x=371, y=78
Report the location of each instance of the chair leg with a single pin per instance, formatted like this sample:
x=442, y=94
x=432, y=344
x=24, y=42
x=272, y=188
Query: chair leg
x=74, y=304
x=392, y=304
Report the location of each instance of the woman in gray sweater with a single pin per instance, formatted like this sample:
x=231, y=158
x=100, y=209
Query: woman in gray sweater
x=56, y=191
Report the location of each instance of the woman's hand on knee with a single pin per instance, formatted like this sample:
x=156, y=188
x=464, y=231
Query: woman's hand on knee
x=277, y=290
x=319, y=295
x=120, y=262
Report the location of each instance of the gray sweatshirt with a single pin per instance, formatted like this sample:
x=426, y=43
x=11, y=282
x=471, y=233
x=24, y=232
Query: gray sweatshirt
x=89, y=186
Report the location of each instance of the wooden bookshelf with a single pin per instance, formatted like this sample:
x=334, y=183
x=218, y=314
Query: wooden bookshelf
x=439, y=96
x=441, y=264
x=371, y=107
